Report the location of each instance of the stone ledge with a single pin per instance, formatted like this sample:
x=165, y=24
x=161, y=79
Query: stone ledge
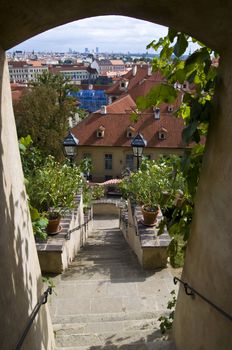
x=149, y=237
x=57, y=251
x=151, y=249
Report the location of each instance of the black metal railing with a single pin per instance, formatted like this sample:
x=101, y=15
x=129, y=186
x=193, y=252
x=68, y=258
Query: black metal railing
x=193, y=292
x=42, y=300
x=68, y=234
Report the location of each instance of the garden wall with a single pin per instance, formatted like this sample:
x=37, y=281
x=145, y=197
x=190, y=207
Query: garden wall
x=59, y=250
x=151, y=249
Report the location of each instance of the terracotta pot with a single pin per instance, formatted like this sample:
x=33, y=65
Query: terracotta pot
x=149, y=216
x=53, y=225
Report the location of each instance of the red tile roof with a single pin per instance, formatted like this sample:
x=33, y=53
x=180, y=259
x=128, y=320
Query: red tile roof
x=116, y=126
x=123, y=105
x=138, y=83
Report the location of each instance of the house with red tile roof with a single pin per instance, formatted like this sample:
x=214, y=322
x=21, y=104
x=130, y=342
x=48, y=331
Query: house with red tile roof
x=105, y=137
x=137, y=82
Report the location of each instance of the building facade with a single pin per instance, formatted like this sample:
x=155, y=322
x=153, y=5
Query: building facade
x=23, y=72
x=78, y=74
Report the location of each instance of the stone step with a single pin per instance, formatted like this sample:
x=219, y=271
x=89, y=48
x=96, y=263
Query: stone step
x=157, y=345
x=103, y=262
x=106, y=327
x=108, y=317
x=115, y=338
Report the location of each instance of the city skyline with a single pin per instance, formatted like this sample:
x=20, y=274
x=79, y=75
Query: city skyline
x=108, y=33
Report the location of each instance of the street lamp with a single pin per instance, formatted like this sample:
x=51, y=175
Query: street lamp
x=70, y=147
x=138, y=143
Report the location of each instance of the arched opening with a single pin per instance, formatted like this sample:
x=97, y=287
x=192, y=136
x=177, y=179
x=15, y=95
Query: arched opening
x=214, y=197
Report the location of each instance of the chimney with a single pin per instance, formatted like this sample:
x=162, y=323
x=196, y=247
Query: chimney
x=103, y=110
x=134, y=70
x=70, y=122
x=149, y=70
x=156, y=111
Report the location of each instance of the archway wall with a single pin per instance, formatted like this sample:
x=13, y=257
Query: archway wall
x=20, y=276
x=208, y=258
x=207, y=20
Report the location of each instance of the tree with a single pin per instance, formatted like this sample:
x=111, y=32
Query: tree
x=43, y=113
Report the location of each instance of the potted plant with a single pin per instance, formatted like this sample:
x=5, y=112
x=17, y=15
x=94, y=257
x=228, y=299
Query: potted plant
x=53, y=189
x=153, y=186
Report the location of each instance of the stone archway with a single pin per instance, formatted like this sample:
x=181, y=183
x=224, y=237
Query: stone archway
x=207, y=267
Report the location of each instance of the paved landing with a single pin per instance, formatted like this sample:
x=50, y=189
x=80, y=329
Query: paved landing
x=104, y=300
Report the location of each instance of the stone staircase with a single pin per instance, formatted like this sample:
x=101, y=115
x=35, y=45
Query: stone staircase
x=104, y=300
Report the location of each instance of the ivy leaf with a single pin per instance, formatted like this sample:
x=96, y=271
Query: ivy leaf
x=181, y=45
x=180, y=75
x=134, y=117
x=191, y=77
x=188, y=131
x=196, y=136
x=172, y=33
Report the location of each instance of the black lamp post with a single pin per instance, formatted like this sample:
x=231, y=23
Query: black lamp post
x=138, y=143
x=70, y=147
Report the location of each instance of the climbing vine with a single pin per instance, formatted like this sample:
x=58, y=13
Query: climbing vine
x=192, y=81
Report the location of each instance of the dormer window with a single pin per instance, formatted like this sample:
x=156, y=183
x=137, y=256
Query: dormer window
x=185, y=85
x=124, y=84
x=170, y=109
x=130, y=132
x=100, y=132
x=162, y=134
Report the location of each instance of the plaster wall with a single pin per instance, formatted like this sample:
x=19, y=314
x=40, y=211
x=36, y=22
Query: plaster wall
x=129, y=233
x=208, y=260
x=20, y=276
x=118, y=159
x=105, y=209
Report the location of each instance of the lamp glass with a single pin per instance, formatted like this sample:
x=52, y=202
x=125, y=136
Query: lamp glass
x=70, y=151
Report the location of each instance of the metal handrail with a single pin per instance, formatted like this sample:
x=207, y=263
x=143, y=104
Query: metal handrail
x=68, y=234
x=42, y=300
x=193, y=292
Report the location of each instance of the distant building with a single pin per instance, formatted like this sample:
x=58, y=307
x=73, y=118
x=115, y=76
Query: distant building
x=91, y=100
x=76, y=73
x=24, y=72
x=109, y=67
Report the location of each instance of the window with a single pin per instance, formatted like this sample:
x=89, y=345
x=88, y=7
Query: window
x=108, y=161
x=130, y=132
x=130, y=161
x=162, y=135
x=100, y=132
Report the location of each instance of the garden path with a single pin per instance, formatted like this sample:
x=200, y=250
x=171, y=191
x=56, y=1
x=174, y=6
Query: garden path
x=106, y=301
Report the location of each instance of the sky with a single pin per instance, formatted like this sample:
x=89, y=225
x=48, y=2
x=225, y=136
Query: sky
x=108, y=33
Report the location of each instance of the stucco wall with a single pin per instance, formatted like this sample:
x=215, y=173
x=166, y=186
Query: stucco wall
x=208, y=259
x=119, y=158
x=20, y=277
